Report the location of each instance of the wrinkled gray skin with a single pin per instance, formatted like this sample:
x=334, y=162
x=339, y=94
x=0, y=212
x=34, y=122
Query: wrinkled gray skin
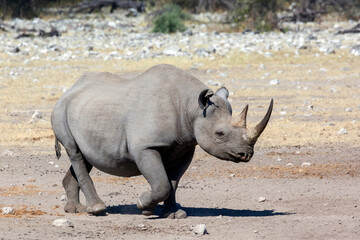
x=148, y=125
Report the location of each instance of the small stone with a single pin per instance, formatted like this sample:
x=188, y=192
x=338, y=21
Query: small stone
x=8, y=153
x=36, y=116
x=232, y=175
x=333, y=90
x=261, y=199
x=262, y=66
x=223, y=75
x=7, y=210
x=132, y=12
x=289, y=164
x=172, y=51
x=200, y=229
x=274, y=82
x=14, y=50
x=278, y=159
x=214, y=83
x=355, y=50
x=63, y=198
x=268, y=54
x=142, y=226
x=348, y=109
x=62, y=222
x=305, y=164
x=342, y=131
x=283, y=113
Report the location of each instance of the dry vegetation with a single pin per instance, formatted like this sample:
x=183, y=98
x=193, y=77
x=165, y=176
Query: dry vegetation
x=304, y=80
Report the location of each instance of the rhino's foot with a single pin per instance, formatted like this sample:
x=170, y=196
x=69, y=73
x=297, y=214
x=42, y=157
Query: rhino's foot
x=177, y=214
x=73, y=207
x=96, y=209
x=145, y=211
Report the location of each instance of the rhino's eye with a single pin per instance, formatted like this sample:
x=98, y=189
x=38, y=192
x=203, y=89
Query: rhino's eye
x=220, y=133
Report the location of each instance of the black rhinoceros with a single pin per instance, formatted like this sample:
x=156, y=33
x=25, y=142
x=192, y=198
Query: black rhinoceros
x=147, y=125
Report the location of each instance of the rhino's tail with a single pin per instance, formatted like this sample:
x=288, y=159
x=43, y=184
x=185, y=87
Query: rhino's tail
x=57, y=148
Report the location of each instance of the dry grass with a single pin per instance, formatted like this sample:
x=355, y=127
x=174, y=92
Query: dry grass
x=22, y=211
x=305, y=78
x=26, y=190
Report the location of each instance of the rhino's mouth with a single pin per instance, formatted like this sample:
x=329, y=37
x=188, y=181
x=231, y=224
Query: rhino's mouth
x=238, y=157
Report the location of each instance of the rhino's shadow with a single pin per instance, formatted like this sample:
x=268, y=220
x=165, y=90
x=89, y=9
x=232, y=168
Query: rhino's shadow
x=200, y=212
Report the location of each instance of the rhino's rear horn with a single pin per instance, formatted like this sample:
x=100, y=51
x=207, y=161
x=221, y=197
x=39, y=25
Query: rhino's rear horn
x=240, y=119
x=255, y=132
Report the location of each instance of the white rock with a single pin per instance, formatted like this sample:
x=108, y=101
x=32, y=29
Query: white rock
x=200, y=229
x=214, y=83
x=261, y=199
x=283, y=113
x=333, y=90
x=62, y=222
x=7, y=210
x=262, y=66
x=172, y=51
x=63, y=198
x=278, y=159
x=8, y=153
x=274, y=82
x=305, y=164
x=342, y=131
x=289, y=164
x=232, y=175
x=268, y=54
x=355, y=50
x=348, y=109
x=36, y=116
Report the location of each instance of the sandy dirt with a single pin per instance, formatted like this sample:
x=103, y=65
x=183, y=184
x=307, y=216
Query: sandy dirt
x=315, y=200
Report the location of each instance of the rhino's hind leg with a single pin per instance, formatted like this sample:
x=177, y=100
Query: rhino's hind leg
x=151, y=166
x=94, y=204
x=72, y=189
x=171, y=209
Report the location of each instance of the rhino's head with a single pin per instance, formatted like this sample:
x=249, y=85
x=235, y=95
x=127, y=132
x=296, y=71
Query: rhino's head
x=223, y=136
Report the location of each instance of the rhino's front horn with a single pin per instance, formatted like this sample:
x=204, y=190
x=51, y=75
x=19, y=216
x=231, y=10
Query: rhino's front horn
x=240, y=119
x=255, y=132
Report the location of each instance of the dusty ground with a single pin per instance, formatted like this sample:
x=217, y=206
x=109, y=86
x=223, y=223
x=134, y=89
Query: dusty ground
x=320, y=201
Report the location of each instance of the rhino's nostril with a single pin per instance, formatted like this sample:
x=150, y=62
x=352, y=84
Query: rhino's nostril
x=241, y=154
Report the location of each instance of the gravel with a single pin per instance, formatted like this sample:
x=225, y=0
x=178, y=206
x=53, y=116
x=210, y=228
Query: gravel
x=132, y=38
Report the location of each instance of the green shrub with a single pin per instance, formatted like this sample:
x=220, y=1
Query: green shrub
x=170, y=20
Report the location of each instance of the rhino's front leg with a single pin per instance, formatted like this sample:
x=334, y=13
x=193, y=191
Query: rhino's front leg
x=171, y=209
x=151, y=167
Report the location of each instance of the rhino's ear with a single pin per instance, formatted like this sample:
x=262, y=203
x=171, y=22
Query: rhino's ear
x=223, y=93
x=204, y=98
